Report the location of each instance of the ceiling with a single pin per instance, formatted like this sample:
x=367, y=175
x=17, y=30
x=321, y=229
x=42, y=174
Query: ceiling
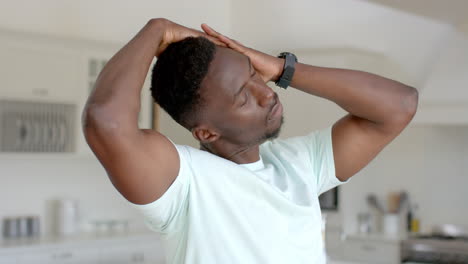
x=448, y=11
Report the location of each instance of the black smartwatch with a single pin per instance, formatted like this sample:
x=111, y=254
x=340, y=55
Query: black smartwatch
x=288, y=69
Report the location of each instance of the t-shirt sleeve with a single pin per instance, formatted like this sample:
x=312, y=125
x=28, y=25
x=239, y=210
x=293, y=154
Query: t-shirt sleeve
x=316, y=151
x=168, y=213
x=320, y=148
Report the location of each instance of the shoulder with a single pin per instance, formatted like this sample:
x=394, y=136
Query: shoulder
x=298, y=143
x=309, y=148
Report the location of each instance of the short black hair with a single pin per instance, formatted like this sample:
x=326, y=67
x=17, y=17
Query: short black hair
x=177, y=75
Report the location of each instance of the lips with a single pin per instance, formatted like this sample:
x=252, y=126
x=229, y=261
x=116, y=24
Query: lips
x=275, y=111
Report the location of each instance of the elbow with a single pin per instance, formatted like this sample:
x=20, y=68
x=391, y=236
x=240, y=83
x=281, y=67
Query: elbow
x=95, y=120
x=408, y=106
x=411, y=103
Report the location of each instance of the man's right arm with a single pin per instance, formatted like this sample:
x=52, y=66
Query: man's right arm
x=141, y=164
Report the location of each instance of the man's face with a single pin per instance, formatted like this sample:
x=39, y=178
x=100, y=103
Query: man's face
x=237, y=102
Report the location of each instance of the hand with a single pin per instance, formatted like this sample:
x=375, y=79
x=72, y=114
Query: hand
x=173, y=32
x=268, y=67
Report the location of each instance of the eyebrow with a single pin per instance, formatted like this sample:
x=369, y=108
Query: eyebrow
x=242, y=87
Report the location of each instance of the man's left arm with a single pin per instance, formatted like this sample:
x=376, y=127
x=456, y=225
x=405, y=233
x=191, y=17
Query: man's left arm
x=379, y=108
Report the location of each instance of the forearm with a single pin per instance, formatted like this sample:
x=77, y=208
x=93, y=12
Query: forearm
x=362, y=94
x=115, y=100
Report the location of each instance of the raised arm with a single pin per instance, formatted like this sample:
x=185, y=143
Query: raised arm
x=379, y=108
x=141, y=164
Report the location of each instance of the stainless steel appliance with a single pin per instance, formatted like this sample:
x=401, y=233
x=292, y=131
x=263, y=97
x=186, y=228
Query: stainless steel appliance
x=446, y=244
x=329, y=200
x=36, y=126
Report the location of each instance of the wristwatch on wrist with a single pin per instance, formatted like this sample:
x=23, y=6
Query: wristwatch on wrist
x=288, y=69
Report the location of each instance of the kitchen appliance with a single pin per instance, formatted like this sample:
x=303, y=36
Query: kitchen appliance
x=10, y=227
x=36, y=126
x=329, y=200
x=446, y=244
x=21, y=227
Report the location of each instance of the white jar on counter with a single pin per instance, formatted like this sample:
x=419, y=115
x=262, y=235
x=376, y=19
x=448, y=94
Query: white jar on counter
x=67, y=217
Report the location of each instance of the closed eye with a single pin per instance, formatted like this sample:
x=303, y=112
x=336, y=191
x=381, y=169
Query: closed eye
x=246, y=96
x=245, y=100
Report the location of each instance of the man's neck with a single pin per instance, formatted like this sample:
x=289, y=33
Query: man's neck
x=239, y=155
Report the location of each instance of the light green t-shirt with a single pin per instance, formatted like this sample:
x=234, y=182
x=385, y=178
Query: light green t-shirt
x=217, y=211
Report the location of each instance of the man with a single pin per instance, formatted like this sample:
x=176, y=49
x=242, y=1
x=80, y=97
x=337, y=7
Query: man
x=244, y=196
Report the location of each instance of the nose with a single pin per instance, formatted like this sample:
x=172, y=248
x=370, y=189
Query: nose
x=265, y=95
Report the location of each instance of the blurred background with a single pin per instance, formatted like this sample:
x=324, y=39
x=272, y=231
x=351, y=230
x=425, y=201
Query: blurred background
x=408, y=206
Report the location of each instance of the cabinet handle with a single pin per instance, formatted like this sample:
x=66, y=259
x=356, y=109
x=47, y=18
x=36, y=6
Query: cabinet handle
x=368, y=248
x=40, y=92
x=62, y=255
x=138, y=257
x=343, y=236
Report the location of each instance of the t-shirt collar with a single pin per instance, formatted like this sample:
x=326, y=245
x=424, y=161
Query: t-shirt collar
x=254, y=166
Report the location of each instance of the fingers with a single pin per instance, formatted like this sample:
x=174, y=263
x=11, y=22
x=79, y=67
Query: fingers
x=233, y=44
x=174, y=32
x=212, y=39
x=213, y=33
x=215, y=41
x=208, y=30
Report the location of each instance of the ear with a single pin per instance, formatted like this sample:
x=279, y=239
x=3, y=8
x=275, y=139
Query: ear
x=204, y=134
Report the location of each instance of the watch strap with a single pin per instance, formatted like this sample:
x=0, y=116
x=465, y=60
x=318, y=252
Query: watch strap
x=288, y=70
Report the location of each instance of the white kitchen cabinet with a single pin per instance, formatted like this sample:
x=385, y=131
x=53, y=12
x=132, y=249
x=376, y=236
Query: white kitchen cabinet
x=332, y=261
x=8, y=260
x=37, y=70
x=125, y=249
x=363, y=249
x=61, y=255
x=127, y=254
x=371, y=252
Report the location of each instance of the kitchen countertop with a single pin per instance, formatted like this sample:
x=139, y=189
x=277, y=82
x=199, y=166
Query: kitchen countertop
x=377, y=237
x=53, y=240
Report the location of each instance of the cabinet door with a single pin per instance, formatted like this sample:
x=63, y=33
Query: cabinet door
x=127, y=254
x=61, y=256
x=154, y=254
x=331, y=261
x=33, y=70
x=371, y=252
x=8, y=260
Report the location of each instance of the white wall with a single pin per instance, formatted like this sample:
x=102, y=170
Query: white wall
x=109, y=20
x=449, y=71
x=273, y=25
